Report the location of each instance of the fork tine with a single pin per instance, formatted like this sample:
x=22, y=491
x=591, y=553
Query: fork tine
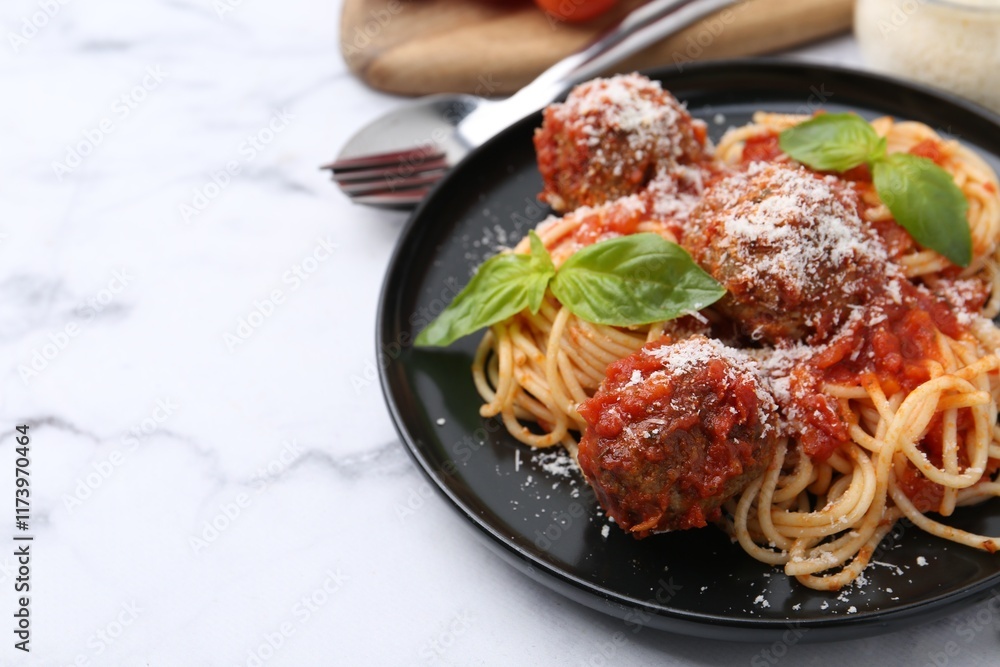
x=374, y=160
x=380, y=173
x=404, y=199
x=388, y=185
x=397, y=179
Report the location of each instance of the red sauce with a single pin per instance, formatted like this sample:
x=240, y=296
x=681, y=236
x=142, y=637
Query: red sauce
x=859, y=174
x=896, y=239
x=895, y=351
x=762, y=148
x=930, y=149
x=923, y=493
x=607, y=223
x=700, y=132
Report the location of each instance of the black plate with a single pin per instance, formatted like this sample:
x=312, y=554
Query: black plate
x=550, y=527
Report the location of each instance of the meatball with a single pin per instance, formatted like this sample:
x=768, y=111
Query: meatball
x=674, y=431
x=790, y=249
x=610, y=138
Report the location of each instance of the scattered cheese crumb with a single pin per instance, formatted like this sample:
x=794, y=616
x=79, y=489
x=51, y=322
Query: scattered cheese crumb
x=556, y=462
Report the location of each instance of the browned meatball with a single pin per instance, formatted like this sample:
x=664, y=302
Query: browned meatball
x=610, y=137
x=674, y=431
x=789, y=247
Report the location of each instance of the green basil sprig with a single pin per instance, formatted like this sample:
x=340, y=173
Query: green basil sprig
x=625, y=281
x=503, y=286
x=633, y=280
x=921, y=196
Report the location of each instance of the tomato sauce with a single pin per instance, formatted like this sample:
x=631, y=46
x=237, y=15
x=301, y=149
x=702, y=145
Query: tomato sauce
x=930, y=149
x=895, y=350
x=762, y=148
x=606, y=223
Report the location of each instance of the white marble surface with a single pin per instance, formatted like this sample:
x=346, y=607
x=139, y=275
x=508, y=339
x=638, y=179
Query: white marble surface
x=148, y=424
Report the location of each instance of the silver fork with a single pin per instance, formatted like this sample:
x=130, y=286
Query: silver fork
x=394, y=161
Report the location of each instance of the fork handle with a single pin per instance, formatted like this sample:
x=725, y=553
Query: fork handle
x=642, y=27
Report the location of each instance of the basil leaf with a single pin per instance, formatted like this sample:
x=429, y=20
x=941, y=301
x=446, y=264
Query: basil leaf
x=503, y=286
x=832, y=142
x=924, y=199
x=541, y=263
x=633, y=280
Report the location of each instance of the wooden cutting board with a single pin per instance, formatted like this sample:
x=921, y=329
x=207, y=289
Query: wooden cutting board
x=417, y=47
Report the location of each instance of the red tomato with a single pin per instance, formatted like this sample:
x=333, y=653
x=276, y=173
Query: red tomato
x=575, y=11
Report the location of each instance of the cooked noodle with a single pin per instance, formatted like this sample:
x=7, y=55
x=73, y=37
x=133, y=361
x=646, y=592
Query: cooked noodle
x=820, y=519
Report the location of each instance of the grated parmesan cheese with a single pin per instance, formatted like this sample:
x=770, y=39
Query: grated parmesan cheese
x=556, y=462
x=784, y=223
x=695, y=352
x=649, y=122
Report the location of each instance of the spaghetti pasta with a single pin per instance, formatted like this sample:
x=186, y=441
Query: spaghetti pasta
x=911, y=419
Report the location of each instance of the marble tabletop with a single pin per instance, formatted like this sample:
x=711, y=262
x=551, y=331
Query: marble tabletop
x=187, y=310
